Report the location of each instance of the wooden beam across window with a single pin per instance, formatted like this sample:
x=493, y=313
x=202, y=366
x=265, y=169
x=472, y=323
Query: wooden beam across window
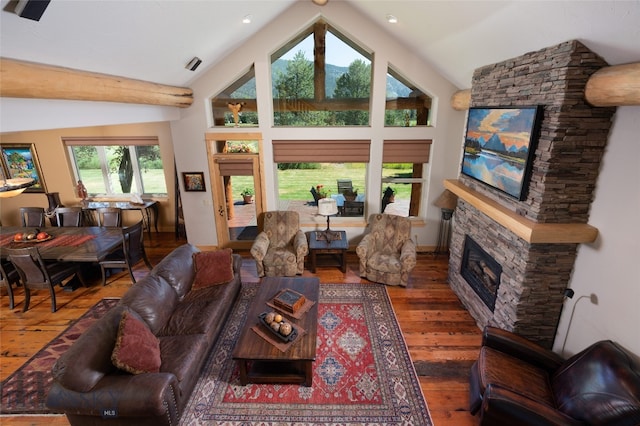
x=330, y=104
x=21, y=79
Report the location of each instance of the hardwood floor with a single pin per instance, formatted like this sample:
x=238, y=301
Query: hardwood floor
x=441, y=336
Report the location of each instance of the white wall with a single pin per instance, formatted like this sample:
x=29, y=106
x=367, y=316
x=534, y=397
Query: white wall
x=610, y=267
x=188, y=132
x=42, y=114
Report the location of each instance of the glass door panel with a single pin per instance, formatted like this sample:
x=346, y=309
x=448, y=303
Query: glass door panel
x=237, y=198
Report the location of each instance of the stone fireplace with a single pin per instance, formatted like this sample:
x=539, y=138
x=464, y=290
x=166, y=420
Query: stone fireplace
x=481, y=272
x=534, y=242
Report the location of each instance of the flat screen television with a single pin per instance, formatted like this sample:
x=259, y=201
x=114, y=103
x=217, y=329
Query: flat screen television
x=499, y=146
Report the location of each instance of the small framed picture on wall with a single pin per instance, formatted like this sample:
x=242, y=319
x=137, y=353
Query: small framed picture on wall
x=193, y=181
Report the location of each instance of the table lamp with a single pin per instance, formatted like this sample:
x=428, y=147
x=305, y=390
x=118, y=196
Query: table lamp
x=327, y=207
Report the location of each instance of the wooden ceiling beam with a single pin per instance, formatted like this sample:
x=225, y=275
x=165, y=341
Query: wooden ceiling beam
x=617, y=85
x=21, y=79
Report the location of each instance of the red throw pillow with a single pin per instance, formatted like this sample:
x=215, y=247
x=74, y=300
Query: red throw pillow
x=137, y=350
x=212, y=268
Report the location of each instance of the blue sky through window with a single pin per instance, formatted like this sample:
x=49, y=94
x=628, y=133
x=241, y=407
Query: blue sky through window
x=337, y=52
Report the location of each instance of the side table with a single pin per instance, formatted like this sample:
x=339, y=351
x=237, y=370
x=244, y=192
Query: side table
x=336, y=247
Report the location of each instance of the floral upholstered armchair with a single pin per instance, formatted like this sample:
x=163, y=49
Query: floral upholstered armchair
x=387, y=253
x=279, y=250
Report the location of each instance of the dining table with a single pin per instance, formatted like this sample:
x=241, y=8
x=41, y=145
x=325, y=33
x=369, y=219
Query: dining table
x=89, y=244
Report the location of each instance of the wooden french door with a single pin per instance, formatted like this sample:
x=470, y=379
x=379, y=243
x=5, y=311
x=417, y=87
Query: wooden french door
x=236, y=219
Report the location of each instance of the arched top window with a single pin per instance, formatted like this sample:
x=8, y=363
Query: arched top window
x=321, y=78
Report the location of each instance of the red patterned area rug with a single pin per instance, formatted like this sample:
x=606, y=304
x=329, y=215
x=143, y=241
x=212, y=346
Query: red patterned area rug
x=363, y=374
x=25, y=391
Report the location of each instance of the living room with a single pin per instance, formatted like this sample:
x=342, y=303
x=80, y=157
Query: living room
x=180, y=135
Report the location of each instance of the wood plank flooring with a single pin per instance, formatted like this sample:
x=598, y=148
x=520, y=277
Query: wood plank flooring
x=442, y=338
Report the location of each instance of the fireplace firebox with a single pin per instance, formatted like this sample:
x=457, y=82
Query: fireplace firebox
x=481, y=272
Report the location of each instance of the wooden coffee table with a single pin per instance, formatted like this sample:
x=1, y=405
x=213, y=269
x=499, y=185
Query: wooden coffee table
x=262, y=362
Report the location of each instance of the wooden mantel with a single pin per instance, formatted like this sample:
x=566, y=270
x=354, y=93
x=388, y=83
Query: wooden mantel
x=530, y=231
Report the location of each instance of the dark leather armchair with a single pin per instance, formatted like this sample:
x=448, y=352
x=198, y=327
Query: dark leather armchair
x=516, y=382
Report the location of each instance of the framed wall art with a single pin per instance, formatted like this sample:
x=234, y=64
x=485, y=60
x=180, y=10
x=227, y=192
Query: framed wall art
x=20, y=160
x=499, y=147
x=194, y=181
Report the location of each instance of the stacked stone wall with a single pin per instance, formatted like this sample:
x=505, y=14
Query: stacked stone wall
x=571, y=142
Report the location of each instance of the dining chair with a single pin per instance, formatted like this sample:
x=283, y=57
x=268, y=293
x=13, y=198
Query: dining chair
x=32, y=216
x=109, y=216
x=54, y=202
x=35, y=274
x=345, y=185
x=315, y=194
x=8, y=277
x=131, y=253
x=69, y=216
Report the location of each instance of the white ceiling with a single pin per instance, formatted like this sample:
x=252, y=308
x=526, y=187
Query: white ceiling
x=153, y=40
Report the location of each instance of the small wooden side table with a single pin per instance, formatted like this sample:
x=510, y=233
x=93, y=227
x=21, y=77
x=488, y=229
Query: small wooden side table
x=335, y=247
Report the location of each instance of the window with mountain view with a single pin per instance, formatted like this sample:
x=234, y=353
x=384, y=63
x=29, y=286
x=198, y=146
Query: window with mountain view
x=321, y=79
x=406, y=105
x=236, y=105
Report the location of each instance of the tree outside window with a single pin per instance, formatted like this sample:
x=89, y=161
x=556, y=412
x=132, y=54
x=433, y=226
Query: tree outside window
x=119, y=169
x=308, y=90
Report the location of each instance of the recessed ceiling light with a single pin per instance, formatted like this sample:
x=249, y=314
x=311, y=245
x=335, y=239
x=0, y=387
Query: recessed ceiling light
x=320, y=2
x=392, y=19
x=246, y=19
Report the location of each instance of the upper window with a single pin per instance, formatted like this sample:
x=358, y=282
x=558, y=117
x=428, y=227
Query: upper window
x=321, y=78
x=406, y=105
x=117, y=166
x=236, y=106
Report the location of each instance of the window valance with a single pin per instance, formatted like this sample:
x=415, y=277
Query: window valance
x=406, y=151
x=321, y=151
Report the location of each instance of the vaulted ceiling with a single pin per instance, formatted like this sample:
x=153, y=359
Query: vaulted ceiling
x=154, y=40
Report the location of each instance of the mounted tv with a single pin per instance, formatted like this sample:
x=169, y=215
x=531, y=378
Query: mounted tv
x=499, y=147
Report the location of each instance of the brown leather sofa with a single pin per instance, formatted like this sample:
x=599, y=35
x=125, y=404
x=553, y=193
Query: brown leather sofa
x=516, y=382
x=87, y=386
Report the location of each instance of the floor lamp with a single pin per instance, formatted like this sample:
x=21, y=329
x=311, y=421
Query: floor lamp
x=447, y=202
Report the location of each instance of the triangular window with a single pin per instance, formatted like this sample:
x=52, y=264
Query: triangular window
x=406, y=105
x=321, y=78
x=236, y=105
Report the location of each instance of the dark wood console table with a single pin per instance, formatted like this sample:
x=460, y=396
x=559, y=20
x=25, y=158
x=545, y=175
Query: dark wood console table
x=321, y=247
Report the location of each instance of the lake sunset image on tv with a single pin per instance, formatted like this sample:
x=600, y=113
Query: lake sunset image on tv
x=499, y=145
